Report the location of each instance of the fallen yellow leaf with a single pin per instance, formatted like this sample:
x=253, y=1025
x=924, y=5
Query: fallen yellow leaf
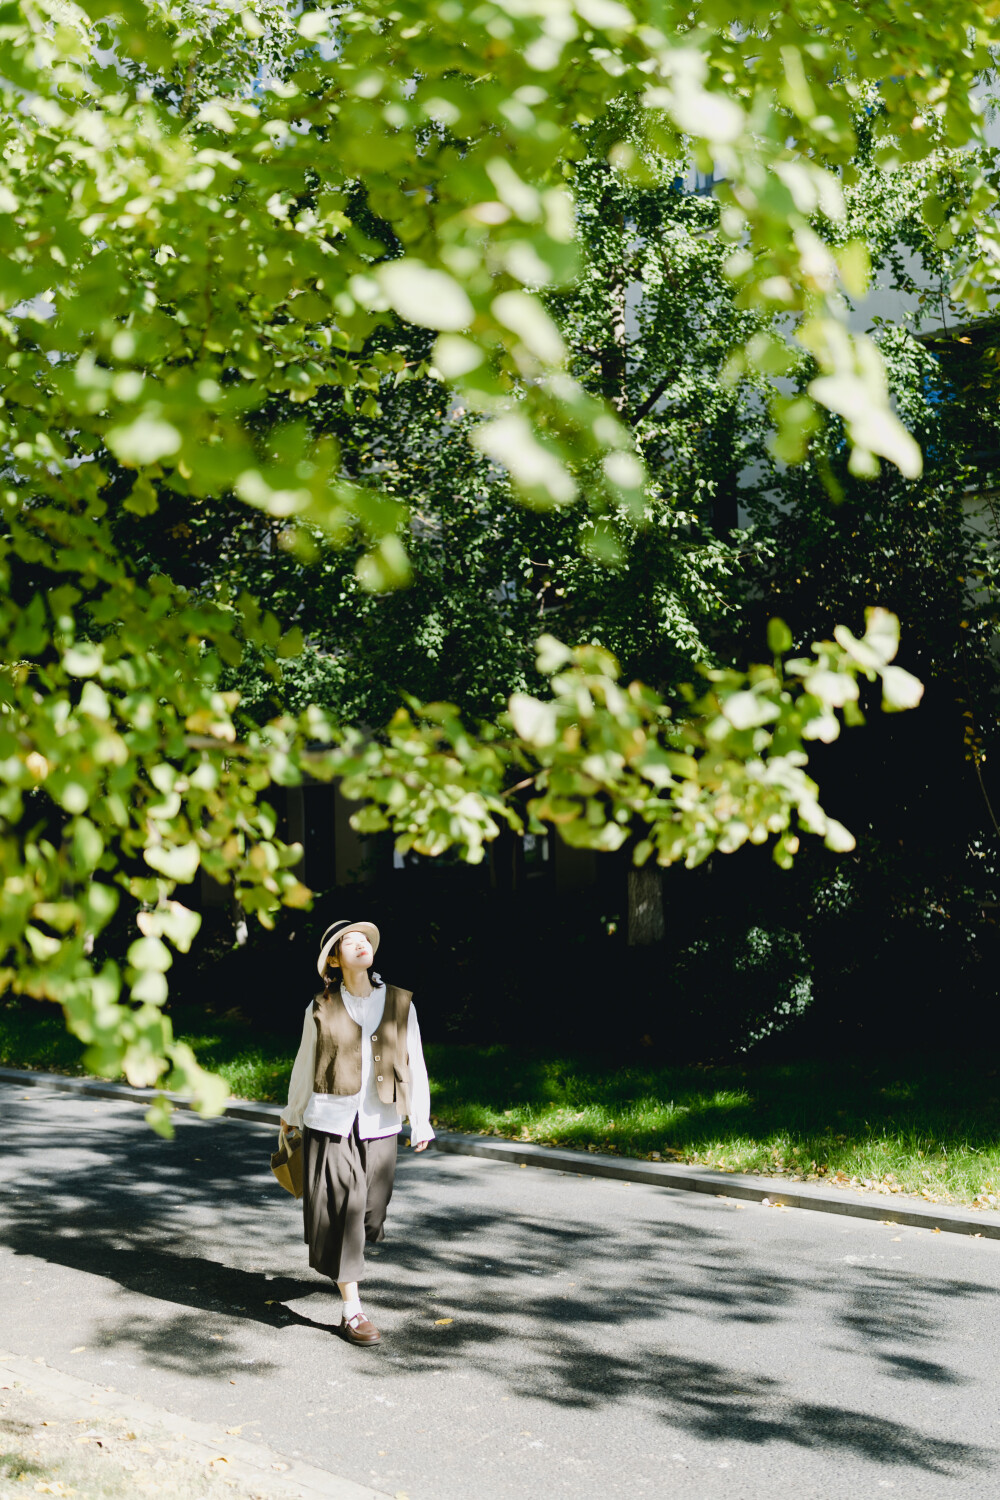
x=440, y=1322
x=79, y=1349
x=234, y=1431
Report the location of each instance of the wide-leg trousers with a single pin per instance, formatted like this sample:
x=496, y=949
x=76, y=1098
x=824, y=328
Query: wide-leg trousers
x=347, y=1184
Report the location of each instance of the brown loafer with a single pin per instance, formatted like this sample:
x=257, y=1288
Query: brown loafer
x=358, y=1330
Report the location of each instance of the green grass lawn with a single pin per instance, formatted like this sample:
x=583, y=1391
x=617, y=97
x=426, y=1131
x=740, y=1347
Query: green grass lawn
x=910, y=1126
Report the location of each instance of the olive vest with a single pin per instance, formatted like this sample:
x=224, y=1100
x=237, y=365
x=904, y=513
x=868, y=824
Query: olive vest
x=339, y=1041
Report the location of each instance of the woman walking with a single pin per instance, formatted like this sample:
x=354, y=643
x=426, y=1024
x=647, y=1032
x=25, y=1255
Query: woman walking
x=359, y=1068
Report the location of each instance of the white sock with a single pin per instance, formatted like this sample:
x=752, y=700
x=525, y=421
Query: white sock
x=351, y=1307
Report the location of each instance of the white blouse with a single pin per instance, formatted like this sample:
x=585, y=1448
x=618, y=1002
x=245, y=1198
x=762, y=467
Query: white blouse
x=335, y=1113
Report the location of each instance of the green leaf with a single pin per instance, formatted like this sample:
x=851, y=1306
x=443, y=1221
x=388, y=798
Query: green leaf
x=425, y=296
x=855, y=267
x=582, y=835
x=93, y=700
x=881, y=633
x=88, y=845
x=43, y=946
x=838, y=837
x=606, y=15
x=747, y=710
x=179, y=862
x=526, y=317
x=313, y=23
x=142, y=499
x=455, y=356
x=900, y=689
x=551, y=654
x=150, y=953
x=388, y=567
x=534, y=721
x=144, y=441
x=150, y=988
x=834, y=688
x=84, y=659
x=714, y=117
x=535, y=468
x=159, y=1116
x=290, y=644
x=102, y=902
x=71, y=794
x=173, y=921
x=861, y=401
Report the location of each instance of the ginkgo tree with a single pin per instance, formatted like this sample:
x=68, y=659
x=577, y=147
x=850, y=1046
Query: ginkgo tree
x=206, y=216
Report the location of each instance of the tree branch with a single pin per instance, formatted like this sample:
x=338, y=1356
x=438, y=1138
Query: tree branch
x=650, y=401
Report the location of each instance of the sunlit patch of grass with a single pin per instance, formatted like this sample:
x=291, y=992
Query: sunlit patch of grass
x=255, y=1067
x=923, y=1128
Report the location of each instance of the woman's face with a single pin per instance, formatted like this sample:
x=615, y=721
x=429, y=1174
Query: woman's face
x=355, y=949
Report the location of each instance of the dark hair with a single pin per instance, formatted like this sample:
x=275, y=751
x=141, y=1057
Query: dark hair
x=335, y=974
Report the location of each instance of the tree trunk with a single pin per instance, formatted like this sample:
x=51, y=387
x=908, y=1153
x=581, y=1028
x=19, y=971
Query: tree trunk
x=612, y=355
x=645, y=906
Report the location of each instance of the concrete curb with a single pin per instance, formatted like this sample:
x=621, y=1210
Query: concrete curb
x=201, y=1441
x=770, y=1190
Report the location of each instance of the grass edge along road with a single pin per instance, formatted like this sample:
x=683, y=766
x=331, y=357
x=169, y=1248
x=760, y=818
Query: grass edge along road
x=920, y=1126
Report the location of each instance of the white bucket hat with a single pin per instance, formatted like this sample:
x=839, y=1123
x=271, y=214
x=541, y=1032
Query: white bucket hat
x=333, y=935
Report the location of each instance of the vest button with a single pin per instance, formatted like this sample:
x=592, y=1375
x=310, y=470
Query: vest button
x=378, y=1057
x=379, y=1080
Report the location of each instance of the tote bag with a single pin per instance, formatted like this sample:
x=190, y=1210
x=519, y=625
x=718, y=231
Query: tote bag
x=286, y=1163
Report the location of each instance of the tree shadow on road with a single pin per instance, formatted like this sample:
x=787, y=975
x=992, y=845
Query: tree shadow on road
x=572, y=1313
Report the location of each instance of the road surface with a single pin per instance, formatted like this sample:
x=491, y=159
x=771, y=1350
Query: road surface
x=545, y=1334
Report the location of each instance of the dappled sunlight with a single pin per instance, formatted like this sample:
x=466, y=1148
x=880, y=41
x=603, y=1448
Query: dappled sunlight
x=202, y=1250
x=934, y=1133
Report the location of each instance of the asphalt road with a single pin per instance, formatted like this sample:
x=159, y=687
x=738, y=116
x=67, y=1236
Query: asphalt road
x=603, y=1339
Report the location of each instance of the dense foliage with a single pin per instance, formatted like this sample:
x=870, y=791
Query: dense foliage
x=222, y=234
